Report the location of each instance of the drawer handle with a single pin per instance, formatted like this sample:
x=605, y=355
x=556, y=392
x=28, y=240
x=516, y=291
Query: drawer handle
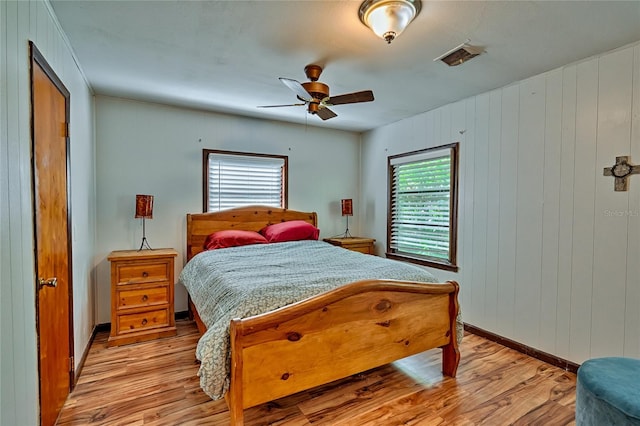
x=145, y=274
x=144, y=321
x=145, y=298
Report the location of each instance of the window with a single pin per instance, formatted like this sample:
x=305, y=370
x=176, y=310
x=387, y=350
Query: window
x=423, y=203
x=235, y=179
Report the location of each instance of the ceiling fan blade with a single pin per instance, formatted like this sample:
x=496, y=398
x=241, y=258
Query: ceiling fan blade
x=325, y=113
x=350, y=98
x=279, y=106
x=297, y=88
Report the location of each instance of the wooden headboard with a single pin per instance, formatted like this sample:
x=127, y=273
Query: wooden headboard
x=251, y=218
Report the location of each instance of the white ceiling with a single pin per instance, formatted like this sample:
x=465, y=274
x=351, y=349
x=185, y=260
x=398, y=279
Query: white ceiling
x=227, y=55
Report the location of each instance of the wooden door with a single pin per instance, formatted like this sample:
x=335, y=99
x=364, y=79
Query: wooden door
x=50, y=113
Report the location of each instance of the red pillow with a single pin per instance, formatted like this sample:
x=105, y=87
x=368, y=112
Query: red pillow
x=232, y=238
x=293, y=230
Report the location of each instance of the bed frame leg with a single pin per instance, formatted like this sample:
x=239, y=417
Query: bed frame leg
x=450, y=352
x=236, y=412
x=190, y=308
x=450, y=359
x=237, y=416
x=234, y=397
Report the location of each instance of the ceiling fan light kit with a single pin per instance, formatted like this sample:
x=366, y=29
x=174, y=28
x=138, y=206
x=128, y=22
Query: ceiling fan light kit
x=389, y=18
x=315, y=94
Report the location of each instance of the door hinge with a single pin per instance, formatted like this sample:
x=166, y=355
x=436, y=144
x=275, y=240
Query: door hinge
x=71, y=363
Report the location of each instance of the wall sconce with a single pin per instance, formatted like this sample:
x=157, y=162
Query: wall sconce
x=144, y=210
x=388, y=18
x=347, y=210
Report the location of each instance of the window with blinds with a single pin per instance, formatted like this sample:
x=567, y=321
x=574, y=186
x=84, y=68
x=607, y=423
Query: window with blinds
x=234, y=179
x=423, y=206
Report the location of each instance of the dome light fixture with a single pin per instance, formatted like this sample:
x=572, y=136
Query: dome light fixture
x=388, y=18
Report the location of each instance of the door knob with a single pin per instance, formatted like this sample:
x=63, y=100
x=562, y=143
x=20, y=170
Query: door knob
x=51, y=282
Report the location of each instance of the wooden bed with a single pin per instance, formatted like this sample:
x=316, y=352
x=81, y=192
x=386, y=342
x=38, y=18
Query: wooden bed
x=345, y=331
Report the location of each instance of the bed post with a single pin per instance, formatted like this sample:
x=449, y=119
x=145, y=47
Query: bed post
x=234, y=395
x=450, y=352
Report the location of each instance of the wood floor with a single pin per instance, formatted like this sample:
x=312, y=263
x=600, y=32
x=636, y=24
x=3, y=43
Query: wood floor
x=156, y=383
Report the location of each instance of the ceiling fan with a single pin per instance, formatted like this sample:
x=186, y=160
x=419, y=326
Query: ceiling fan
x=315, y=95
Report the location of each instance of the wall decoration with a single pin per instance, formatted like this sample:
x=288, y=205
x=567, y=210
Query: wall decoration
x=621, y=170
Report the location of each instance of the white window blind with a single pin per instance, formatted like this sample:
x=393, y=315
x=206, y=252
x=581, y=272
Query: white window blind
x=243, y=180
x=421, y=186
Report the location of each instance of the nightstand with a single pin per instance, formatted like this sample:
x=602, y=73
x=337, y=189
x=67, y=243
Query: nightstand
x=141, y=295
x=363, y=245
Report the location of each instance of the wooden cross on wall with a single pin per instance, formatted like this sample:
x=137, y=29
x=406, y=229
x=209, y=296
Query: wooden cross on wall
x=621, y=171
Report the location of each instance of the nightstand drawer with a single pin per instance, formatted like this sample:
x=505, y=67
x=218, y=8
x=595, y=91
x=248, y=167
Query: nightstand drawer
x=362, y=245
x=128, y=323
x=143, y=297
x=138, y=273
x=364, y=248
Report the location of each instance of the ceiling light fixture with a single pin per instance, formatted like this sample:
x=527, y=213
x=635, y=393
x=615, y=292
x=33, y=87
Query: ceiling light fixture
x=388, y=18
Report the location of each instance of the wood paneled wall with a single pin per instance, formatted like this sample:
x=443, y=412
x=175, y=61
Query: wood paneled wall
x=21, y=21
x=549, y=254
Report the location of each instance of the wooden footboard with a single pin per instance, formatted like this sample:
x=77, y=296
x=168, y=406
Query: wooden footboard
x=343, y=332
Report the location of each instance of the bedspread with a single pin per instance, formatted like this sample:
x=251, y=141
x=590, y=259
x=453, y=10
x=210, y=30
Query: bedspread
x=244, y=281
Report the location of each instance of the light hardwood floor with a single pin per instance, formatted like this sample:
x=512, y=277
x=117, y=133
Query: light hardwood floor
x=156, y=383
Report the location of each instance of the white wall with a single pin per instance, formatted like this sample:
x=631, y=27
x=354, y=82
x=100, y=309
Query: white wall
x=21, y=21
x=146, y=148
x=549, y=254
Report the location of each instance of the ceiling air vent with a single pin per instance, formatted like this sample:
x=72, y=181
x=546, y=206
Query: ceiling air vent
x=460, y=54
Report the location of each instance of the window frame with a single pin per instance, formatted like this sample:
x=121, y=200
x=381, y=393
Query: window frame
x=205, y=173
x=451, y=263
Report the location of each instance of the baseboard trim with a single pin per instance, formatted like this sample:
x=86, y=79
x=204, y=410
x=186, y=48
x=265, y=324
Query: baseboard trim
x=527, y=350
x=182, y=315
x=103, y=327
x=77, y=371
